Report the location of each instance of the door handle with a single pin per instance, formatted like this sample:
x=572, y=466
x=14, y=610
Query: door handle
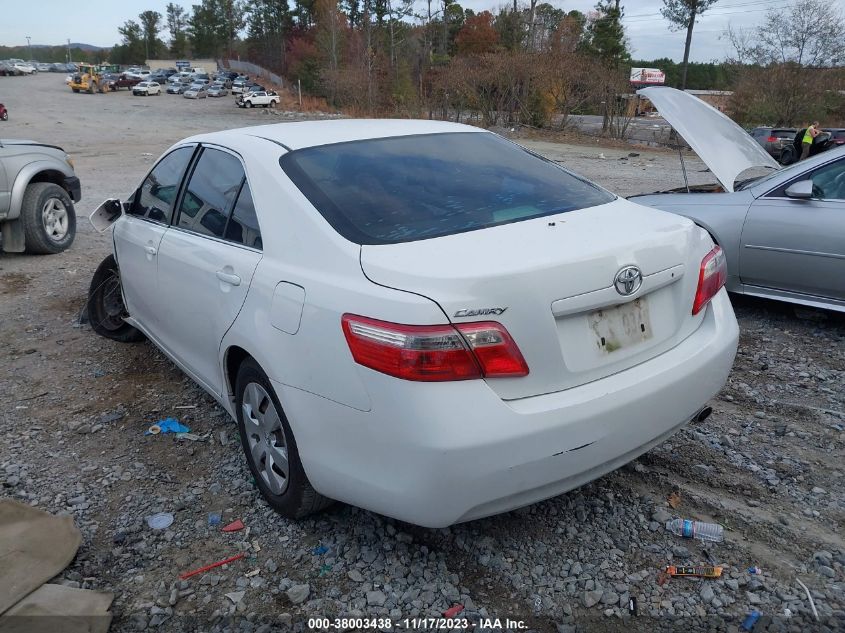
x=228, y=278
x=150, y=250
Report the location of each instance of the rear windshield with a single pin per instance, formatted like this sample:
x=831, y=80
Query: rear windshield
x=402, y=189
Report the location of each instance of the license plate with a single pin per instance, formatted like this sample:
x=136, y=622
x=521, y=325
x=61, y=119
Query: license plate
x=621, y=326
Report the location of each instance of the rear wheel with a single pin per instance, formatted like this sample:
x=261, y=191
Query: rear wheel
x=270, y=447
x=4, y=116
x=105, y=305
x=49, y=220
x=789, y=155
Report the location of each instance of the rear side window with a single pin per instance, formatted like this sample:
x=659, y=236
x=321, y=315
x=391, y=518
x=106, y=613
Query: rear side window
x=211, y=193
x=243, y=225
x=391, y=190
x=158, y=192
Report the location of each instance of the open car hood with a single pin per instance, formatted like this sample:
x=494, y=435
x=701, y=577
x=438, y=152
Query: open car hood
x=723, y=146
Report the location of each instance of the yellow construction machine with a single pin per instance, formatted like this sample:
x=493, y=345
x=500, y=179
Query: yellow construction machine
x=88, y=79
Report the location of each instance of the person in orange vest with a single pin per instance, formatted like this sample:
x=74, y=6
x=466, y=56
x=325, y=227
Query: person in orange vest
x=807, y=142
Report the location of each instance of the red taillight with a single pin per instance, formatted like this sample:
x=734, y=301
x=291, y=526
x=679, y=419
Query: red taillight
x=711, y=277
x=772, y=139
x=433, y=352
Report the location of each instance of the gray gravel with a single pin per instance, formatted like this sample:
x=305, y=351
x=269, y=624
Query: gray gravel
x=768, y=464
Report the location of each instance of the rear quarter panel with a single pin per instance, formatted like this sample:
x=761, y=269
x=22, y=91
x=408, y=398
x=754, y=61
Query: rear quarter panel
x=720, y=214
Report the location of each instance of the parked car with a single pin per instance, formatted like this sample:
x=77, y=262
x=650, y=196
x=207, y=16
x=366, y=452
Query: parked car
x=38, y=187
x=783, y=234
x=837, y=134
x=791, y=152
x=123, y=80
x=176, y=88
x=57, y=68
x=434, y=329
x=238, y=86
x=22, y=68
x=217, y=90
x=146, y=88
x=773, y=140
x=43, y=68
x=4, y=113
x=261, y=98
x=195, y=91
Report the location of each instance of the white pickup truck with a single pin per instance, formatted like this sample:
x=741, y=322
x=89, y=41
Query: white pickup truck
x=265, y=98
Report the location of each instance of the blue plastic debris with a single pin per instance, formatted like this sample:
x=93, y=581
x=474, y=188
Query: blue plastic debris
x=320, y=550
x=170, y=425
x=750, y=620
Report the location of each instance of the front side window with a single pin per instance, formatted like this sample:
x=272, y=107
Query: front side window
x=154, y=200
x=829, y=181
x=210, y=193
x=401, y=189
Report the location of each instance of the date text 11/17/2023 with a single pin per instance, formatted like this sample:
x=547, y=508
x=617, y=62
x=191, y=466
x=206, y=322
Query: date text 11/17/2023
x=419, y=624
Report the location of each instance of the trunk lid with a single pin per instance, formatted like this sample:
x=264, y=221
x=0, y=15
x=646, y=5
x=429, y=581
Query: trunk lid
x=725, y=148
x=550, y=282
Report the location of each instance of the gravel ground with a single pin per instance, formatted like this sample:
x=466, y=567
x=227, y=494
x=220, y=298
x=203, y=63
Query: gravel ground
x=768, y=464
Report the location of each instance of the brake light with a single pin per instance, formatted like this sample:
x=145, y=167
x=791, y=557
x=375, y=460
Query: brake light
x=711, y=277
x=433, y=353
x=772, y=139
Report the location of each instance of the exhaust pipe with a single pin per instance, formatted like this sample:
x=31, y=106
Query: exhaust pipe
x=702, y=415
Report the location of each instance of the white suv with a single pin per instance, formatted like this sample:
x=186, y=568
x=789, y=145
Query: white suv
x=416, y=317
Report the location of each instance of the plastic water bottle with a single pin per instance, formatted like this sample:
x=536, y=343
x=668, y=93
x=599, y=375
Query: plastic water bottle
x=712, y=532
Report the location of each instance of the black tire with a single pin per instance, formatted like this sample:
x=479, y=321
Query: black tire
x=40, y=236
x=251, y=104
x=788, y=155
x=75, y=89
x=5, y=116
x=105, y=305
x=297, y=498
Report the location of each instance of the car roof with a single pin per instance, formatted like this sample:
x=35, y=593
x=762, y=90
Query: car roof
x=304, y=134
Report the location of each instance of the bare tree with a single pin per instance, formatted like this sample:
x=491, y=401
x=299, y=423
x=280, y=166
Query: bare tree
x=808, y=33
x=681, y=15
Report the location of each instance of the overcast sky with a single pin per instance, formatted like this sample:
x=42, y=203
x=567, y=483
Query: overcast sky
x=96, y=21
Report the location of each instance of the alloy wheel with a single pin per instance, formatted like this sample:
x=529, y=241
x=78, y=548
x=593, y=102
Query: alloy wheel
x=54, y=215
x=266, y=437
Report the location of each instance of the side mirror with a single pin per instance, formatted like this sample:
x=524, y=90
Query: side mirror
x=106, y=214
x=802, y=190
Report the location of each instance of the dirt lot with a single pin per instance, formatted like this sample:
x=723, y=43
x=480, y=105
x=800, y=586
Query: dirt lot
x=768, y=464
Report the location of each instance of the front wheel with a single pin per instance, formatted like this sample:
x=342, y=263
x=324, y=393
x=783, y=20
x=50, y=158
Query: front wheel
x=49, y=219
x=251, y=104
x=105, y=305
x=5, y=116
x=270, y=447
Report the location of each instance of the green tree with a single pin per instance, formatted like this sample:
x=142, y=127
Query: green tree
x=150, y=26
x=605, y=37
x=269, y=23
x=132, y=49
x=214, y=26
x=177, y=22
x=681, y=15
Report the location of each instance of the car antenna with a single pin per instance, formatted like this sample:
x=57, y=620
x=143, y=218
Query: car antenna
x=674, y=135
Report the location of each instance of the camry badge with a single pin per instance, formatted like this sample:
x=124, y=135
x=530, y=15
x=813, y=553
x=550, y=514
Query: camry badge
x=479, y=312
x=628, y=280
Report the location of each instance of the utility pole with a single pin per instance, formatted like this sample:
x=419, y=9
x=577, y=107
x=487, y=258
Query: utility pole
x=68, y=50
x=29, y=45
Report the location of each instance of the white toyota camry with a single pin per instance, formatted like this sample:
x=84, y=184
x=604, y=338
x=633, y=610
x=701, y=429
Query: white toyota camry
x=419, y=318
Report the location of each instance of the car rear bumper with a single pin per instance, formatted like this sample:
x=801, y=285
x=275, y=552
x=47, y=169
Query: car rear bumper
x=435, y=454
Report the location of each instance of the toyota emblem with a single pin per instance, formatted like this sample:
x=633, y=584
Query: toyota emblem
x=628, y=280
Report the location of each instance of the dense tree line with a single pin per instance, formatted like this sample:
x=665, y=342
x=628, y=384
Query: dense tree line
x=528, y=61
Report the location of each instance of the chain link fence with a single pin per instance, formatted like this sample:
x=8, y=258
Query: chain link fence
x=255, y=71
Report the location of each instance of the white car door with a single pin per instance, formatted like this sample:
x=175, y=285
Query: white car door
x=138, y=235
x=206, y=263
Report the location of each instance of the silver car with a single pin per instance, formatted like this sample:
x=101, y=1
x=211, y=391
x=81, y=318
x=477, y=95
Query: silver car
x=195, y=91
x=783, y=233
